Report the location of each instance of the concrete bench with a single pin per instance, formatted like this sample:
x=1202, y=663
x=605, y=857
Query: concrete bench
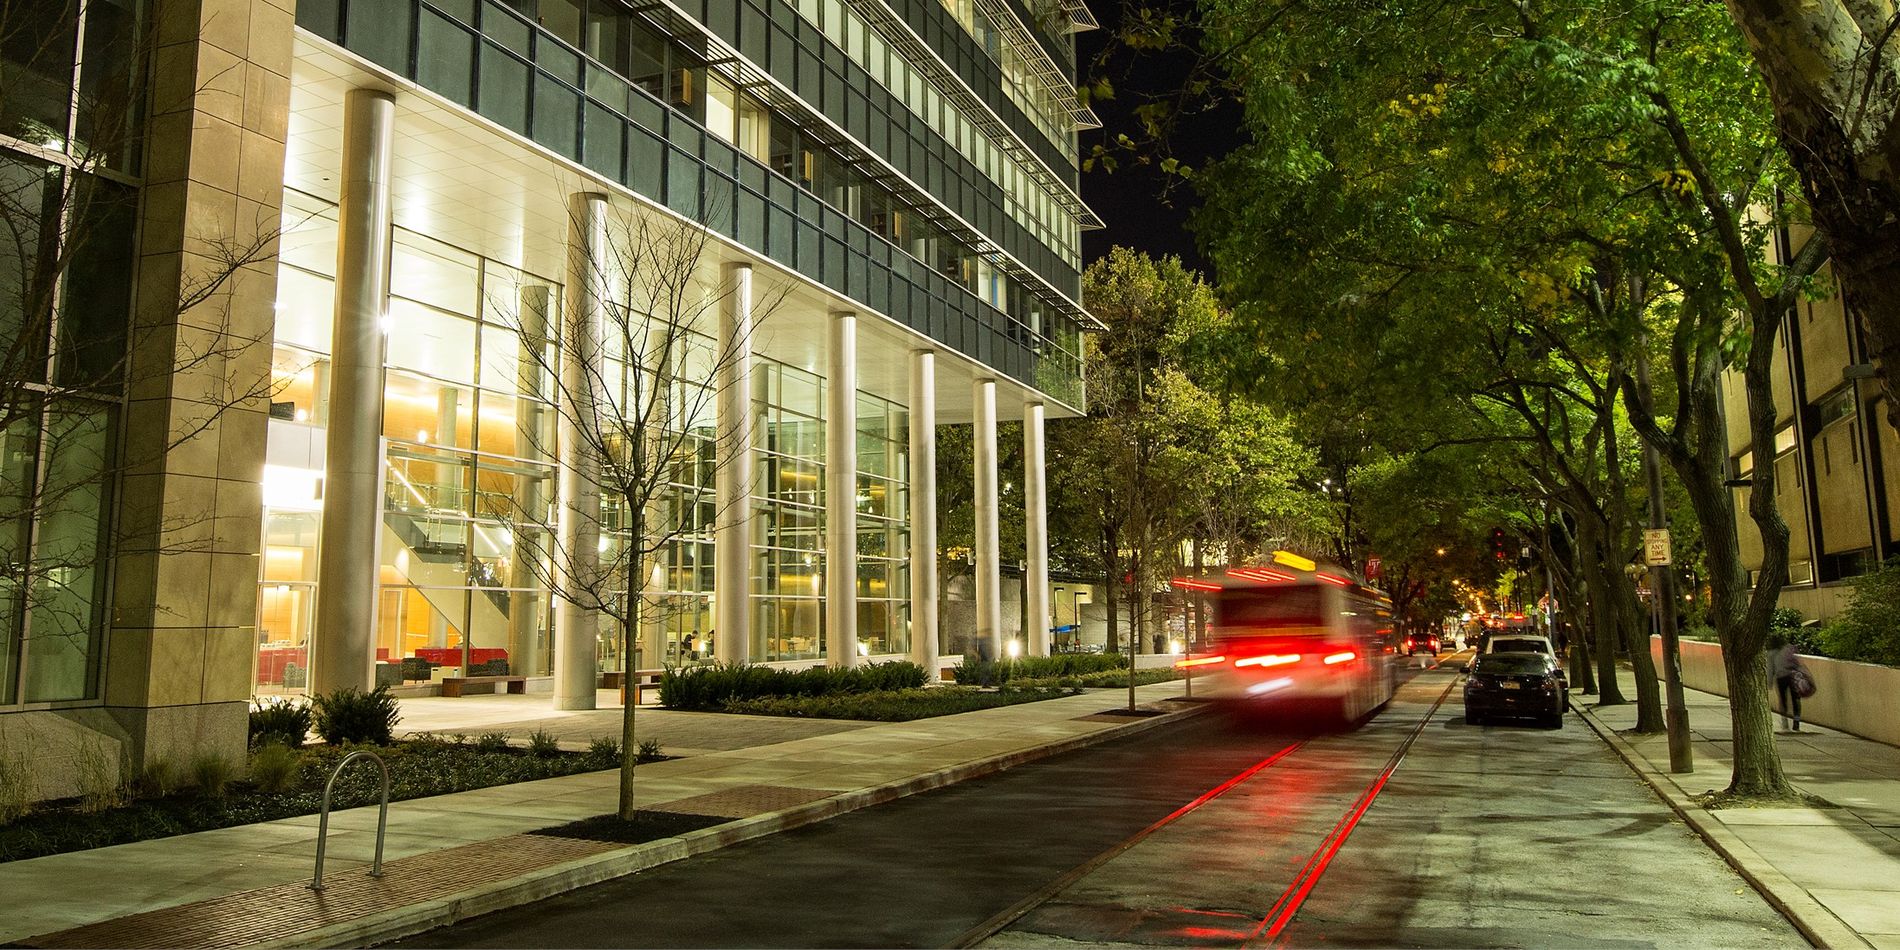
x=452, y=685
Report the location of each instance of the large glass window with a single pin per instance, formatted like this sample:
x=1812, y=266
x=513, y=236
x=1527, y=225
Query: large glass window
x=469, y=427
x=883, y=509
x=65, y=261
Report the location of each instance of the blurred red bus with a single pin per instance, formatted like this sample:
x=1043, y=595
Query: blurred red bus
x=1315, y=638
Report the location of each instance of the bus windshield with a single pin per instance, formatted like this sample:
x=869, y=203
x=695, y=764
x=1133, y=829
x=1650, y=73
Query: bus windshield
x=1269, y=607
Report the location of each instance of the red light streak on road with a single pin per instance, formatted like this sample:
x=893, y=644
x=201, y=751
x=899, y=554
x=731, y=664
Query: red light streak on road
x=1290, y=904
x=1346, y=657
x=1334, y=580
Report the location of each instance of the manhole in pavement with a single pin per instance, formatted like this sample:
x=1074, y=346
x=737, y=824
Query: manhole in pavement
x=646, y=825
x=747, y=800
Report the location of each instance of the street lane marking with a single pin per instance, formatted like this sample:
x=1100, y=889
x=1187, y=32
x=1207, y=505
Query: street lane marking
x=996, y=924
x=1274, y=923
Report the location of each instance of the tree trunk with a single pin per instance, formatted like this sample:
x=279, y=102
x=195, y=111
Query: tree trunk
x=629, y=748
x=1649, y=713
x=1629, y=611
x=1602, y=611
x=1757, y=763
x=1835, y=83
x=1111, y=586
x=1580, y=664
x=1740, y=615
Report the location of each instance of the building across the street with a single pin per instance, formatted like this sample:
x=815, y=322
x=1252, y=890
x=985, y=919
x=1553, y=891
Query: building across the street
x=309, y=284
x=1837, y=461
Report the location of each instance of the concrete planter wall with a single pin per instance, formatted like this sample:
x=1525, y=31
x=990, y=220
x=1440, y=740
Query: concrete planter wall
x=1861, y=698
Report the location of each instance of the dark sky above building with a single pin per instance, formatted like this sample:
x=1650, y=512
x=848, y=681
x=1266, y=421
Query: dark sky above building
x=1131, y=200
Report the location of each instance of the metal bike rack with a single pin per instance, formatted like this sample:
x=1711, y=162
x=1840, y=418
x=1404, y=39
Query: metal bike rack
x=323, y=821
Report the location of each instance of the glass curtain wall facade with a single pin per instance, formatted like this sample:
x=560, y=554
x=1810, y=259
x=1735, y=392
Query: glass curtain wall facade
x=468, y=418
x=844, y=158
x=789, y=587
x=468, y=421
x=69, y=180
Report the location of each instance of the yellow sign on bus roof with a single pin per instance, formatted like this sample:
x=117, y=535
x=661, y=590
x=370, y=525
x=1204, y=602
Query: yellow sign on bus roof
x=1293, y=560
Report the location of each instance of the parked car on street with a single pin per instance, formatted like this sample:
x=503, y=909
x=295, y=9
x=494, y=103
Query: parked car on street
x=1515, y=685
x=1520, y=643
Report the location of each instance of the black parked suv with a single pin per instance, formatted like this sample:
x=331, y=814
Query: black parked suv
x=1518, y=685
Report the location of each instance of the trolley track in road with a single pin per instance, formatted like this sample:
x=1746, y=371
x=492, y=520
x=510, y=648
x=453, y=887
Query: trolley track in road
x=1270, y=927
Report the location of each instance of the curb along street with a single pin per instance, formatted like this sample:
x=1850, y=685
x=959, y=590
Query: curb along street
x=1818, y=924
x=399, y=922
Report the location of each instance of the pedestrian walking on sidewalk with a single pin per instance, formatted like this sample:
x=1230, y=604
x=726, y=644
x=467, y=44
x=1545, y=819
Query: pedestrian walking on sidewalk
x=1792, y=681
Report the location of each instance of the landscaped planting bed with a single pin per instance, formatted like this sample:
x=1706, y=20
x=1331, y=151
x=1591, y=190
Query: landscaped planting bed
x=718, y=687
x=174, y=804
x=1104, y=679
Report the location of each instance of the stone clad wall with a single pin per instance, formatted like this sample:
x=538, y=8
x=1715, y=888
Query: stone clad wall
x=1861, y=698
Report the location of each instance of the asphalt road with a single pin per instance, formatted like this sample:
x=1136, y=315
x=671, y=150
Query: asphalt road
x=1493, y=836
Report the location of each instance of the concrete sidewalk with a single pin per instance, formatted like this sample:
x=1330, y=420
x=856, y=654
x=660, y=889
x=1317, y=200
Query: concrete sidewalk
x=248, y=879
x=1834, y=871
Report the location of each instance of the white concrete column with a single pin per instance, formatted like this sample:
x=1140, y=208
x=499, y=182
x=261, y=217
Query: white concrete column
x=344, y=651
x=989, y=576
x=841, y=493
x=1035, y=534
x=577, y=562
x=923, y=510
x=732, y=533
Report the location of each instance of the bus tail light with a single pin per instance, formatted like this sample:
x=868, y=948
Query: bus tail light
x=1337, y=658
x=1271, y=659
x=1199, y=661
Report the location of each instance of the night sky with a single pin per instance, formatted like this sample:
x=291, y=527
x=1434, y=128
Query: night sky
x=1130, y=200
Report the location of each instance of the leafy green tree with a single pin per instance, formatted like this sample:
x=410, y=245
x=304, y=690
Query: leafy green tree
x=1545, y=194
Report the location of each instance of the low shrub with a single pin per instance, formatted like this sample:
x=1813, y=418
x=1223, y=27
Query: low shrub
x=1103, y=679
x=492, y=742
x=16, y=784
x=274, y=767
x=900, y=705
x=718, y=685
x=284, y=721
x=1700, y=633
x=99, y=784
x=158, y=778
x=974, y=671
x=351, y=715
x=542, y=744
x=211, y=774
x=604, y=752
x=1868, y=631
x=649, y=751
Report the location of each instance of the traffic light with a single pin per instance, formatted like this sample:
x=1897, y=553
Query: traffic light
x=1497, y=543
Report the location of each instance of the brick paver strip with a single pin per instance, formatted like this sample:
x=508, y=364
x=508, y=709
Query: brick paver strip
x=273, y=913
x=746, y=801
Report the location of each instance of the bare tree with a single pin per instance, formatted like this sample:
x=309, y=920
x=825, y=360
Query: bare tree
x=635, y=397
